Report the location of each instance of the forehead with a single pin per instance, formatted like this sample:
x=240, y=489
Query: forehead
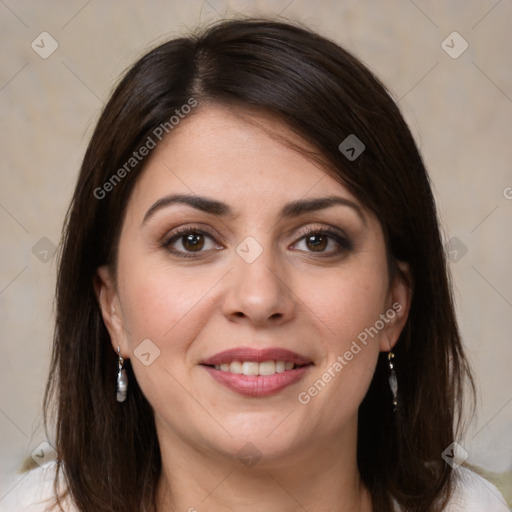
x=238, y=155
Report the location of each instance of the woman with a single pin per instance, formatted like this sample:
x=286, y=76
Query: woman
x=253, y=308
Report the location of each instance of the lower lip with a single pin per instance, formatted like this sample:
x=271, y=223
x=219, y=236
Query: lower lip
x=258, y=385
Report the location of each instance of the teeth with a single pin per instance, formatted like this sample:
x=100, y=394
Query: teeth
x=234, y=367
x=250, y=368
x=255, y=368
x=267, y=368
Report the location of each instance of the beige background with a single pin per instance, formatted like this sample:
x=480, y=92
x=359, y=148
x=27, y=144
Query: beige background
x=460, y=111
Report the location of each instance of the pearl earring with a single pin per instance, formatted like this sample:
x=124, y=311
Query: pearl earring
x=393, y=383
x=122, y=378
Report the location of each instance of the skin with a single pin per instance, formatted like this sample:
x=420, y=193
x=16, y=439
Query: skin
x=314, y=302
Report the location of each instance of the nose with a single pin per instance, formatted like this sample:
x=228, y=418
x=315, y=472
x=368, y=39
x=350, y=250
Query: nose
x=259, y=293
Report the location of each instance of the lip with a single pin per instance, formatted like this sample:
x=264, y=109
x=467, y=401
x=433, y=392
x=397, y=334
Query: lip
x=256, y=355
x=257, y=385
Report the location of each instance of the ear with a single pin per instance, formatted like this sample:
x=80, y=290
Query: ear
x=398, y=306
x=108, y=300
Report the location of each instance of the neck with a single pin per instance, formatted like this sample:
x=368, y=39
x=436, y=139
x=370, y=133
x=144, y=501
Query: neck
x=322, y=476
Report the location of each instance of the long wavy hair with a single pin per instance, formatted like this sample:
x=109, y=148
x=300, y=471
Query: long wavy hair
x=108, y=452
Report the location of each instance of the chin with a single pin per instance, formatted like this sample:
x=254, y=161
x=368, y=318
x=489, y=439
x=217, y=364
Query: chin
x=262, y=439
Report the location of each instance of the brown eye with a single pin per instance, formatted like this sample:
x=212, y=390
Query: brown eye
x=324, y=242
x=317, y=243
x=190, y=242
x=193, y=242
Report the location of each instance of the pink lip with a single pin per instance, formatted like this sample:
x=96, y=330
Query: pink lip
x=257, y=385
x=257, y=355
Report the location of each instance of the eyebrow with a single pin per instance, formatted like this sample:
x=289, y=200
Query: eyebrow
x=289, y=210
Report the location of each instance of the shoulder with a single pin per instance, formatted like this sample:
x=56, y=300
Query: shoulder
x=475, y=494
x=34, y=492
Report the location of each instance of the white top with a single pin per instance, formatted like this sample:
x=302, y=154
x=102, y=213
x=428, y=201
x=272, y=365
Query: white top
x=31, y=494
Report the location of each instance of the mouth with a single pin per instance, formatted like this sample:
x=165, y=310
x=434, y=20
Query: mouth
x=257, y=372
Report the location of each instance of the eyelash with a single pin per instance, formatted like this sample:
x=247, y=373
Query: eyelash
x=345, y=245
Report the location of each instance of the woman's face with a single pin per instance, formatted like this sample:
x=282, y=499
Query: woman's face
x=252, y=294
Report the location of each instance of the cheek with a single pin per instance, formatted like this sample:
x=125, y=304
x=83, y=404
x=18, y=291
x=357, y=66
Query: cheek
x=346, y=302
x=158, y=304
x=169, y=308
x=168, y=311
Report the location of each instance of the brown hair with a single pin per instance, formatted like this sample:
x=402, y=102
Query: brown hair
x=108, y=451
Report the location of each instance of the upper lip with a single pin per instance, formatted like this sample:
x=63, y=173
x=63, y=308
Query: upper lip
x=258, y=355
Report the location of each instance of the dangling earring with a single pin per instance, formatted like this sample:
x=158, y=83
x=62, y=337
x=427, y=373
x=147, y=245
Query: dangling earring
x=122, y=378
x=393, y=383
